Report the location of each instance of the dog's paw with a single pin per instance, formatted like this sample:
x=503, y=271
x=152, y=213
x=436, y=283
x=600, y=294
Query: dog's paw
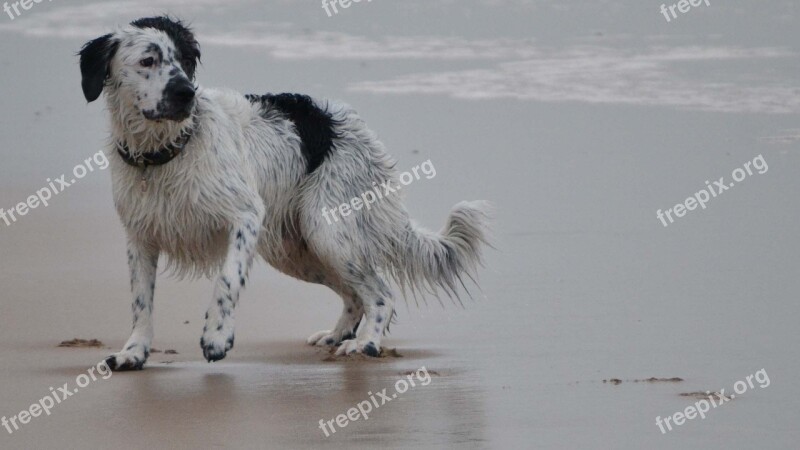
x=369, y=348
x=216, y=343
x=324, y=338
x=132, y=358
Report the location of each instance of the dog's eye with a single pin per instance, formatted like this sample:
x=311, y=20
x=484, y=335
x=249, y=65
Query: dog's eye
x=147, y=62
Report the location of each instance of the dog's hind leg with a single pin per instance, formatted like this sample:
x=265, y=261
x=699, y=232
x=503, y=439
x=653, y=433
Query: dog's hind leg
x=368, y=303
x=218, y=332
x=142, y=260
x=345, y=328
x=378, y=309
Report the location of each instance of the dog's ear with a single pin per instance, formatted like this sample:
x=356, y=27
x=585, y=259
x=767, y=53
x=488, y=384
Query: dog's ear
x=95, y=65
x=191, y=56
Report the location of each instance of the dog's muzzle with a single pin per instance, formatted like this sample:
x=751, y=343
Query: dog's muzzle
x=177, y=101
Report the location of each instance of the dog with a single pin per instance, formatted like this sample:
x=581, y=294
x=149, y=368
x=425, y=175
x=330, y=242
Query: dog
x=211, y=178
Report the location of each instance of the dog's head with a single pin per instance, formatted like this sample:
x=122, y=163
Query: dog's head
x=150, y=65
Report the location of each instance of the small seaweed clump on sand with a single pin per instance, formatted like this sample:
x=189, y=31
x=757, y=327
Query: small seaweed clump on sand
x=81, y=343
x=616, y=381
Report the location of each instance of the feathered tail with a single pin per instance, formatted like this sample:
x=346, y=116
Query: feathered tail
x=427, y=260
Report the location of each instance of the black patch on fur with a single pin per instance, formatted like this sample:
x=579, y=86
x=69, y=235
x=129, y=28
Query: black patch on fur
x=188, y=50
x=95, y=65
x=154, y=48
x=314, y=125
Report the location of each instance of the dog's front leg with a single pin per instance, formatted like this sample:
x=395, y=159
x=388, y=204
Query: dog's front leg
x=142, y=261
x=218, y=332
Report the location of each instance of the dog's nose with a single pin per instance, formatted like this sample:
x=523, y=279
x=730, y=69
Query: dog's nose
x=180, y=90
x=184, y=92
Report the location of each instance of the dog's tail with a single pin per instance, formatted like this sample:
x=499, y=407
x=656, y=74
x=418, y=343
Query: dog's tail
x=427, y=261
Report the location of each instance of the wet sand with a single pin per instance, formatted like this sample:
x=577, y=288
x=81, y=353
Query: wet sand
x=577, y=121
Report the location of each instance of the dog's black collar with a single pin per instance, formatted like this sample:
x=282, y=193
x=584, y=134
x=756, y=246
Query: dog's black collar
x=159, y=157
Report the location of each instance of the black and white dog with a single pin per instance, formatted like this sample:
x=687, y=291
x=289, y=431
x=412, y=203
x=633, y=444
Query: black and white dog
x=211, y=178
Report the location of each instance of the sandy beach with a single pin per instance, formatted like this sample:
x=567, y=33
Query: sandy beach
x=579, y=121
